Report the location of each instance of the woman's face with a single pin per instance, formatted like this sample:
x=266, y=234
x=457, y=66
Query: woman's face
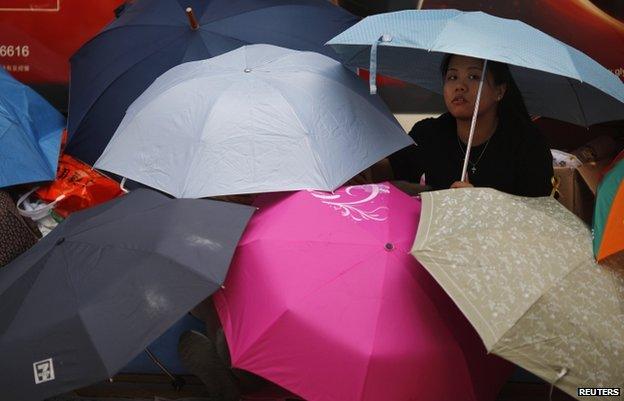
x=461, y=84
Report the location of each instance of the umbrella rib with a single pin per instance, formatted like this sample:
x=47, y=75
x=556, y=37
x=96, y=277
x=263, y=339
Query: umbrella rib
x=578, y=101
x=94, y=101
x=154, y=252
x=542, y=295
x=437, y=39
x=308, y=294
x=100, y=225
x=207, y=119
x=79, y=311
x=369, y=362
x=260, y=8
x=309, y=135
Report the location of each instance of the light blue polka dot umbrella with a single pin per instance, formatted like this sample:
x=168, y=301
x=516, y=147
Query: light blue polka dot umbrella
x=555, y=79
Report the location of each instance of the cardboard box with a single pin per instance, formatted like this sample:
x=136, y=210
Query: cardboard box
x=577, y=188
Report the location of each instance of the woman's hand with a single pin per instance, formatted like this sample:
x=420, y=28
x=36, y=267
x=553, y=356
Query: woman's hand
x=462, y=184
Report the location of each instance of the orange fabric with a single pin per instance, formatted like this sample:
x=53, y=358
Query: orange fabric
x=82, y=186
x=613, y=237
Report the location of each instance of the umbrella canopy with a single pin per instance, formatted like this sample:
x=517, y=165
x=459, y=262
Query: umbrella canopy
x=30, y=134
x=258, y=119
x=151, y=36
x=555, y=79
x=104, y=284
x=608, y=225
x=324, y=299
x=522, y=271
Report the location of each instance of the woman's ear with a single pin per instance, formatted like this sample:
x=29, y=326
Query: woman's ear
x=500, y=91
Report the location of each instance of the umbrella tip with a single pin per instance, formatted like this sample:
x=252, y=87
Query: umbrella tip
x=191, y=17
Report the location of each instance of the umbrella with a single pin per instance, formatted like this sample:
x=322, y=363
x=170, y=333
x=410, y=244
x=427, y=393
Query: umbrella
x=30, y=134
x=151, y=36
x=522, y=271
x=104, y=284
x=555, y=79
x=324, y=299
x=258, y=119
x=608, y=225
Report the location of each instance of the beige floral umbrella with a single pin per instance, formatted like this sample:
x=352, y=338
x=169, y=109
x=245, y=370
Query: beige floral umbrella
x=523, y=272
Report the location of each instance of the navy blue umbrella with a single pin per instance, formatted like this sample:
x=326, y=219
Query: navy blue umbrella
x=151, y=36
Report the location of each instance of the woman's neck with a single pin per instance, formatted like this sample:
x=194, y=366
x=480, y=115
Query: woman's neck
x=484, y=128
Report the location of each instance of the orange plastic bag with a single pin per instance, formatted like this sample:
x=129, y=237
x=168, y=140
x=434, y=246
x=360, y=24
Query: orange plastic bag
x=77, y=186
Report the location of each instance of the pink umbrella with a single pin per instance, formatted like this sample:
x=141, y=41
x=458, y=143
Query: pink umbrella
x=324, y=299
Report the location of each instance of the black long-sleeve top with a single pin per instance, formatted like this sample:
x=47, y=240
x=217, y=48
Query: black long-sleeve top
x=516, y=159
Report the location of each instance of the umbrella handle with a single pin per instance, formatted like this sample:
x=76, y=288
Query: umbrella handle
x=176, y=381
x=473, y=123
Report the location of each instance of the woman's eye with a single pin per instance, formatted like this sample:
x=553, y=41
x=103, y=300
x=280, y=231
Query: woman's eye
x=474, y=76
x=451, y=78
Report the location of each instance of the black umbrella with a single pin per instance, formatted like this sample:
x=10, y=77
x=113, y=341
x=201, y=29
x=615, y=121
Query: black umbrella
x=104, y=284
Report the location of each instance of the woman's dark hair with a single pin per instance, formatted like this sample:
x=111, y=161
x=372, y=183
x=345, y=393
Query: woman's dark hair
x=511, y=108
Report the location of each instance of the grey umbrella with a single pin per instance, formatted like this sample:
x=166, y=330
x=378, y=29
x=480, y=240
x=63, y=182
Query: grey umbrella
x=104, y=284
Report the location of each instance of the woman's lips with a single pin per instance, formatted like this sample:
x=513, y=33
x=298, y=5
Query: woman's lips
x=459, y=100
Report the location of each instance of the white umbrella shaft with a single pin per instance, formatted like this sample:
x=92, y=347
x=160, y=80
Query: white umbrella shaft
x=473, y=123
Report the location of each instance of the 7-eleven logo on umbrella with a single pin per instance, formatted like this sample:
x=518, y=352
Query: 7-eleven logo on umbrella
x=44, y=371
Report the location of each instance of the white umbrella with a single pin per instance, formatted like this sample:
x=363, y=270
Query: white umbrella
x=258, y=119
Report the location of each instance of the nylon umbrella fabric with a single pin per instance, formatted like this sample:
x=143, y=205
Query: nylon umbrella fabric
x=523, y=272
x=608, y=223
x=555, y=79
x=324, y=299
x=30, y=134
x=151, y=36
x=104, y=284
x=258, y=119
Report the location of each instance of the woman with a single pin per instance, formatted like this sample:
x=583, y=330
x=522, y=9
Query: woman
x=508, y=153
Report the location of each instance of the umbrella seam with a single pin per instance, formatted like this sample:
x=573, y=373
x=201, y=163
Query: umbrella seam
x=77, y=307
x=578, y=101
x=542, y=295
x=100, y=225
x=208, y=117
x=153, y=252
x=262, y=9
x=369, y=362
x=302, y=298
x=98, y=97
x=446, y=24
x=308, y=135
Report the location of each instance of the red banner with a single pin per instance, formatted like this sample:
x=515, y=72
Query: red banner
x=37, y=37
